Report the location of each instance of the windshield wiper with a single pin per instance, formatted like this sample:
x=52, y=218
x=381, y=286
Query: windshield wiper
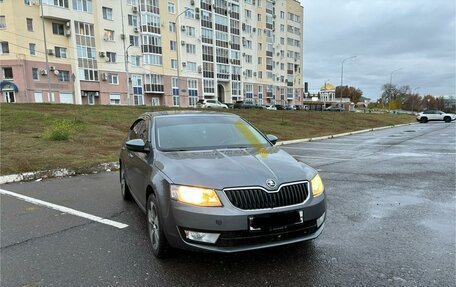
x=171, y=150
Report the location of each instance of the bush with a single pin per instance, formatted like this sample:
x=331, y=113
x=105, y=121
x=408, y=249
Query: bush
x=61, y=130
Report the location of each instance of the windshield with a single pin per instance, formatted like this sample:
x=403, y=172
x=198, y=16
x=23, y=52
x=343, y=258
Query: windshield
x=182, y=133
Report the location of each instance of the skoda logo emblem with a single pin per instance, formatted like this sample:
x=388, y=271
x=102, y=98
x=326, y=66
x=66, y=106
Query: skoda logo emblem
x=270, y=183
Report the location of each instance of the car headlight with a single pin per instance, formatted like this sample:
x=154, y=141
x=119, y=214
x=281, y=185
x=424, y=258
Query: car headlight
x=317, y=185
x=195, y=195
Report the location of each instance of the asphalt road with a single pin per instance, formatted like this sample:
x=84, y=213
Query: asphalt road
x=391, y=221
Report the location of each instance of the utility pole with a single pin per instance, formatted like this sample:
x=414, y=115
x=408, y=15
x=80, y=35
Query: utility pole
x=46, y=52
x=128, y=75
x=391, y=85
x=177, y=52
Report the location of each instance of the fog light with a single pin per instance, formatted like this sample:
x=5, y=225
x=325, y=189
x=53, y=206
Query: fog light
x=202, y=236
x=321, y=219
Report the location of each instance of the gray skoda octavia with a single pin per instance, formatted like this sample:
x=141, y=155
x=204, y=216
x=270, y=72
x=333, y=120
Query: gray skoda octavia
x=211, y=181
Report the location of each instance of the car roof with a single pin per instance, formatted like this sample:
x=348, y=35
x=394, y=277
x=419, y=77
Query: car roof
x=185, y=113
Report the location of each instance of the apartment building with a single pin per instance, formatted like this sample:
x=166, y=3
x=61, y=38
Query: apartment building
x=172, y=52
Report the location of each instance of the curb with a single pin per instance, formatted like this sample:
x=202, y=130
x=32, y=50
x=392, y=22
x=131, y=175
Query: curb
x=340, y=135
x=110, y=166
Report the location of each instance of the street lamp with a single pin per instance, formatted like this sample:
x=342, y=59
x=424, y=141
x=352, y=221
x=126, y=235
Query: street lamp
x=177, y=51
x=391, y=85
x=413, y=99
x=342, y=77
x=128, y=75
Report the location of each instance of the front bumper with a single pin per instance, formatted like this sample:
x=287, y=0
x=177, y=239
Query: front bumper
x=233, y=226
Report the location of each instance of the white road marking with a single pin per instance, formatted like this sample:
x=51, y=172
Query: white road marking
x=64, y=209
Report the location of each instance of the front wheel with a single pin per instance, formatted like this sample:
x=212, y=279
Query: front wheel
x=423, y=120
x=154, y=226
x=447, y=119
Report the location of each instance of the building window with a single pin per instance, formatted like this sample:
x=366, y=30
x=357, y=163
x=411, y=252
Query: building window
x=60, y=3
x=83, y=5
x=282, y=15
x=172, y=45
x=134, y=40
x=259, y=17
x=107, y=13
x=7, y=73
x=132, y=20
x=29, y=24
x=113, y=79
x=153, y=59
x=190, y=31
x=26, y=2
x=208, y=86
x=171, y=8
x=189, y=13
x=111, y=57
x=153, y=83
x=35, y=75
x=172, y=27
x=136, y=82
x=191, y=67
x=32, y=48
x=132, y=2
x=58, y=29
x=135, y=61
x=60, y=52
x=192, y=88
x=175, y=86
x=4, y=48
x=114, y=99
x=2, y=22
x=108, y=35
x=248, y=13
x=63, y=76
x=173, y=64
x=191, y=49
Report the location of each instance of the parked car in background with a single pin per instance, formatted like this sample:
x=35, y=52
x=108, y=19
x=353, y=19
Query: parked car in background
x=229, y=105
x=290, y=107
x=335, y=109
x=211, y=104
x=212, y=182
x=245, y=105
x=270, y=107
x=280, y=107
x=431, y=115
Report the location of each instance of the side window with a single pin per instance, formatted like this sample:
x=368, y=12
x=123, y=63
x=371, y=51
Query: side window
x=139, y=130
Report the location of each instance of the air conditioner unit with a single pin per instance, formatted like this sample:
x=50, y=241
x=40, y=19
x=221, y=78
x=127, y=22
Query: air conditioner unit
x=68, y=32
x=243, y=54
x=200, y=70
x=254, y=30
x=43, y=72
x=104, y=76
x=134, y=9
x=136, y=30
x=197, y=10
x=192, y=2
x=253, y=2
x=122, y=36
x=183, y=43
x=68, y=24
x=50, y=52
x=52, y=68
x=101, y=54
x=182, y=28
x=184, y=64
x=254, y=74
x=274, y=16
x=273, y=2
x=197, y=16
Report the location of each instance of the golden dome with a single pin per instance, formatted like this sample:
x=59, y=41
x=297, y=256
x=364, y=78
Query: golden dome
x=327, y=87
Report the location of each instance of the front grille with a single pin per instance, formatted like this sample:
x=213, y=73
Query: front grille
x=244, y=238
x=256, y=198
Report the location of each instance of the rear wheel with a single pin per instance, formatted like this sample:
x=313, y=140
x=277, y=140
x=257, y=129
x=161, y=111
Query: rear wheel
x=126, y=194
x=423, y=120
x=154, y=226
x=447, y=119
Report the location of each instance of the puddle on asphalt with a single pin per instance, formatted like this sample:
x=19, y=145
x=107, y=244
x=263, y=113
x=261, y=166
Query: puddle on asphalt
x=409, y=131
x=383, y=206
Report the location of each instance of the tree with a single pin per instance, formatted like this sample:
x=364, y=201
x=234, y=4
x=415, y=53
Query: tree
x=349, y=92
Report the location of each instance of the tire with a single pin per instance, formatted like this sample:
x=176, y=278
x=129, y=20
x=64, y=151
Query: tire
x=157, y=237
x=447, y=119
x=124, y=189
x=423, y=120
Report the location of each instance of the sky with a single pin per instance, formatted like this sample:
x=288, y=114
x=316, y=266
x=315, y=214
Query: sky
x=416, y=36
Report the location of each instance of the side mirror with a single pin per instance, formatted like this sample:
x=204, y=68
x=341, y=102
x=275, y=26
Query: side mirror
x=272, y=138
x=137, y=145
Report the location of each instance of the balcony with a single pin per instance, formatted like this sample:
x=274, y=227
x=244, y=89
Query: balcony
x=57, y=12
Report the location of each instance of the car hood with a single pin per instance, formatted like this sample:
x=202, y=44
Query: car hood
x=225, y=168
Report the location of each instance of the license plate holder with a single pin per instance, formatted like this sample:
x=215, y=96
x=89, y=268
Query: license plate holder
x=275, y=221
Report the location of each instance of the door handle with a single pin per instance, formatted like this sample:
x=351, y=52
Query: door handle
x=130, y=155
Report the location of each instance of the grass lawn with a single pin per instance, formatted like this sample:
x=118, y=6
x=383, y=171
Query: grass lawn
x=97, y=131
